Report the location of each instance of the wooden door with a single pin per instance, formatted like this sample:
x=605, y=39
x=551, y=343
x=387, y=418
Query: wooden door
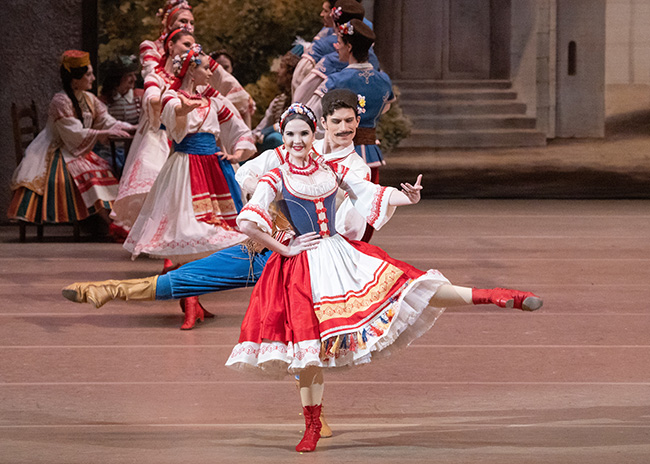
x=434, y=39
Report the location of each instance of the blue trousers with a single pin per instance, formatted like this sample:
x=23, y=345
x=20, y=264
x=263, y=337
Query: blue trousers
x=224, y=270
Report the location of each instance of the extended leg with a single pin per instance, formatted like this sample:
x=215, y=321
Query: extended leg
x=453, y=295
x=99, y=293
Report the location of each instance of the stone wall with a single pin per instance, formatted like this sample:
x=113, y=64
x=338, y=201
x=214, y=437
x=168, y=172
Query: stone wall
x=628, y=42
x=581, y=86
x=36, y=35
x=523, y=53
x=546, y=66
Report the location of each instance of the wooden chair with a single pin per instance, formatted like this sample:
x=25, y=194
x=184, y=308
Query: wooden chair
x=26, y=128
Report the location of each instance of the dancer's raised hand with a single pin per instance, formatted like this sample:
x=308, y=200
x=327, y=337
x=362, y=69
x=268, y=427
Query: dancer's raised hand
x=412, y=192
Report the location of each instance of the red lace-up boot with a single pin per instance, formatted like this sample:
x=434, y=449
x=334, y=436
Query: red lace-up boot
x=507, y=298
x=312, y=428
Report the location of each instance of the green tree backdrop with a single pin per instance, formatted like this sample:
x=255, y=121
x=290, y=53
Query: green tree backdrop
x=254, y=32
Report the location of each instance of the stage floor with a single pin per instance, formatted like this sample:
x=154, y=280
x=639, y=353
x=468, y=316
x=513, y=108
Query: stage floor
x=569, y=383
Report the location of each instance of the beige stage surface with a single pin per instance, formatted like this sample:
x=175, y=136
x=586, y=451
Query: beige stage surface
x=569, y=383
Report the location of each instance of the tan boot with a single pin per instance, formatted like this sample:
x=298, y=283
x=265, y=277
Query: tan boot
x=99, y=293
x=325, y=431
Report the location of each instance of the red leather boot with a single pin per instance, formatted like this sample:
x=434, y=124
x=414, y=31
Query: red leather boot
x=312, y=428
x=507, y=298
x=193, y=312
x=207, y=314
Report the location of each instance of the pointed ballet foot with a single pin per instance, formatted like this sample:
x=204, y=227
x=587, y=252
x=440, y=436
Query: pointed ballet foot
x=507, y=298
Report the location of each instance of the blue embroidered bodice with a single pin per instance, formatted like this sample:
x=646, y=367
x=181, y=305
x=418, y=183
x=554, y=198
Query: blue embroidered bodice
x=308, y=199
x=306, y=215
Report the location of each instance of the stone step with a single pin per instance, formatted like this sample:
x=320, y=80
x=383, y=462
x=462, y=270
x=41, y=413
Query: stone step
x=458, y=107
x=472, y=122
x=457, y=84
x=474, y=139
x=435, y=94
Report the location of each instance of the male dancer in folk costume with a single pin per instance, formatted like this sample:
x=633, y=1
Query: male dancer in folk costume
x=342, y=12
x=373, y=87
x=299, y=319
x=241, y=265
x=329, y=64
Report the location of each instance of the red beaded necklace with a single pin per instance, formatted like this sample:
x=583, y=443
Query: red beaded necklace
x=196, y=96
x=311, y=167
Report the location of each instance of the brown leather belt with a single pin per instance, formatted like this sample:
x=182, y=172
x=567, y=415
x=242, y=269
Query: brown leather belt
x=365, y=136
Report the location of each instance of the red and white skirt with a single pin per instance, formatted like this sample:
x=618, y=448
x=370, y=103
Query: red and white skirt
x=342, y=304
x=171, y=223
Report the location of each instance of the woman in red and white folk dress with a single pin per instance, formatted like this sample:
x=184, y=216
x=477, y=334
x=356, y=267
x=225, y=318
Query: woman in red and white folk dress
x=323, y=300
x=191, y=209
x=150, y=147
x=60, y=179
x=178, y=14
x=174, y=15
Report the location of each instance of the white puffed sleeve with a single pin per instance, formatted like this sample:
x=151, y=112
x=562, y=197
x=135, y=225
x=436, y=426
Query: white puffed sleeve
x=234, y=133
x=349, y=221
x=154, y=86
x=257, y=209
x=309, y=85
x=229, y=87
x=251, y=171
x=77, y=139
x=370, y=200
x=170, y=102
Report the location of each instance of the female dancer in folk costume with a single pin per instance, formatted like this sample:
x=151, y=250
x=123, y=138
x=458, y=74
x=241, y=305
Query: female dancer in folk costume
x=191, y=209
x=178, y=14
x=60, y=179
x=301, y=319
x=150, y=147
x=175, y=14
x=241, y=266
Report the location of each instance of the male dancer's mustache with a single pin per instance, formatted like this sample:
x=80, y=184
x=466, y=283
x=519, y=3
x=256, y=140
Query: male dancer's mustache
x=343, y=134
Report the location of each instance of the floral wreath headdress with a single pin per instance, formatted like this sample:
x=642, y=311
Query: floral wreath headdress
x=170, y=9
x=336, y=13
x=347, y=28
x=181, y=63
x=298, y=108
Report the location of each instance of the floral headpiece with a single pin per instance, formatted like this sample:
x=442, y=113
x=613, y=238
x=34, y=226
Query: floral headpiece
x=347, y=28
x=170, y=9
x=361, y=105
x=336, y=12
x=181, y=63
x=298, y=108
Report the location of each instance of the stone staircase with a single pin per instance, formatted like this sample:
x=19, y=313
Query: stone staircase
x=466, y=114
